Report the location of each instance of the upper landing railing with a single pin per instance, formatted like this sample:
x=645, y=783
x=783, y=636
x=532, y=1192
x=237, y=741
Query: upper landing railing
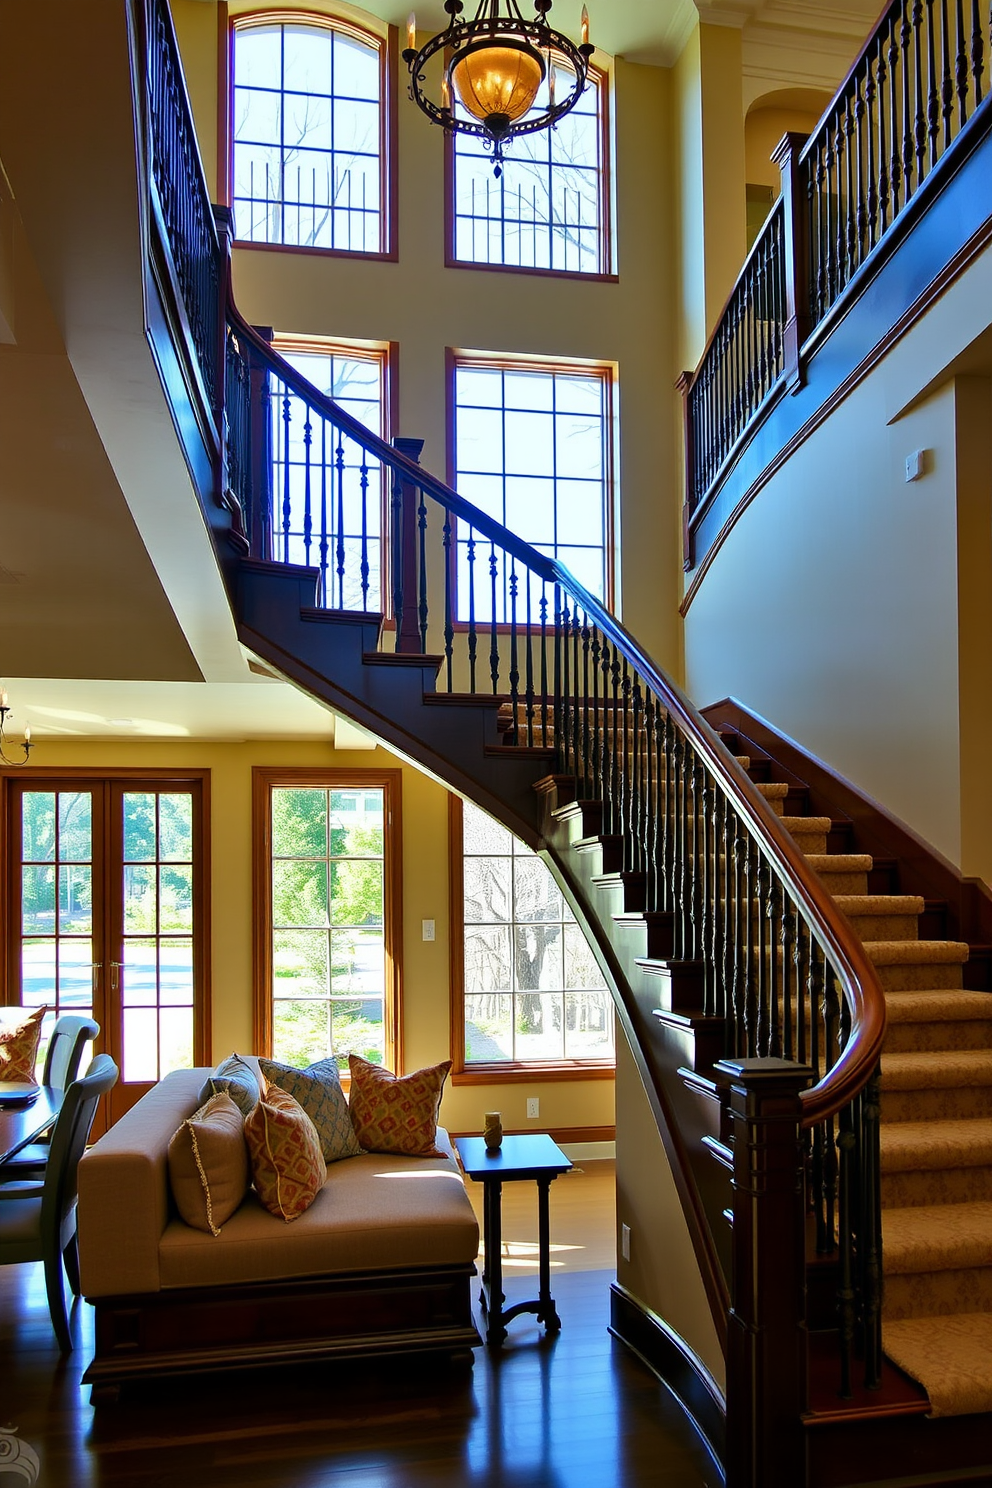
x=782, y=971
x=920, y=79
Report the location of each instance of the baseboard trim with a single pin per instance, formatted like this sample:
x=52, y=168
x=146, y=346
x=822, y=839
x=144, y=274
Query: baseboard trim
x=673, y=1361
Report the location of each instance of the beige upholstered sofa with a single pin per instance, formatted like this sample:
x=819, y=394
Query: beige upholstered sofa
x=380, y=1263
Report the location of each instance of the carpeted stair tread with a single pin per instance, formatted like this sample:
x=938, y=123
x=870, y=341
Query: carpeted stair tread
x=840, y=862
x=801, y=826
x=933, y=1069
x=927, y=1145
x=951, y=1357
x=943, y=1237
x=772, y=790
x=879, y=904
x=942, y=1005
x=917, y=952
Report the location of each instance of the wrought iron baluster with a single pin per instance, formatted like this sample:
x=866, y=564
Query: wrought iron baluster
x=324, y=593
x=397, y=547
x=667, y=810
x=286, y=497
x=637, y=812
x=871, y=1231
x=652, y=898
x=587, y=723
x=597, y=719
x=694, y=805
x=473, y=634
x=340, y=548
x=961, y=67
x=493, y=628
x=514, y=674
x=307, y=513
x=874, y=186
x=946, y=80
x=545, y=718
x=579, y=711
x=528, y=670
x=895, y=160
x=561, y=685
x=846, y=1142
x=679, y=841
x=364, y=568
x=422, y=603
x=449, y=608
x=977, y=49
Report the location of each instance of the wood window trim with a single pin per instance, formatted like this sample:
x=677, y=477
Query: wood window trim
x=264, y=779
x=607, y=274
x=510, y=1072
x=387, y=44
x=504, y=361
x=196, y=777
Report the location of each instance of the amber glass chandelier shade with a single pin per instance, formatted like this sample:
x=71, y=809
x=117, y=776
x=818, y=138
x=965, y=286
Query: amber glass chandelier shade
x=498, y=80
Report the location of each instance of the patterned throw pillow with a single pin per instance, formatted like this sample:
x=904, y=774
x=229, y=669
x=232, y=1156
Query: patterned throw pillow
x=396, y=1113
x=236, y=1076
x=318, y=1091
x=19, y=1040
x=208, y=1164
x=286, y=1161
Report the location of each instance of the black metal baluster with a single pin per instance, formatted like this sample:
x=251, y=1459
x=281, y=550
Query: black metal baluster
x=920, y=121
x=946, y=79
x=961, y=66
x=871, y=1231
x=528, y=671
x=895, y=160
x=637, y=813
x=933, y=96
x=307, y=513
x=493, y=628
x=578, y=717
x=473, y=635
x=587, y=722
x=652, y=898
x=340, y=548
x=609, y=745
x=287, y=505
x=694, y=807
x=364, y=566
x=846, y=1143
x=422, y=602
x=545, y=738
x=751, y=981
x=449, y=608
x=667, y=806
x=678, y=854
x=514, y=674
x=560, y=686
x=397, y=547
x=977, y=49
x=325, y=596
x=624, y=753
x=563, y=725
x=721, y=923
x=874, y=186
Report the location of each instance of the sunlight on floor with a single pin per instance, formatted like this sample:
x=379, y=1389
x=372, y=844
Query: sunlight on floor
x=583, y=1220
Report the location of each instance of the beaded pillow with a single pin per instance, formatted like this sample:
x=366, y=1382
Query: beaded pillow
x=396, y=1113
x=318, y=1091
x=208, y=1164
x=19, y=1042
x=286, y=1161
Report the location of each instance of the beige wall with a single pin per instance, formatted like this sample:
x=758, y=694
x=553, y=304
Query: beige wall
x=763, y=128
x=850, y=607
x=426, y=981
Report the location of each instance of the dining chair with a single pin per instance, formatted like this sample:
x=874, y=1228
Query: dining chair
x=38, y=1218
x=71, y=1034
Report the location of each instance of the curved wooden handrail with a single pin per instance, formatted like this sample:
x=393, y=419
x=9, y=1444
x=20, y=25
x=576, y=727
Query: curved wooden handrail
x=859, y=982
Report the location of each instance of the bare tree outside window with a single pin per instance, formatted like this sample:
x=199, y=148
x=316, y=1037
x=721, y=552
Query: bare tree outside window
x=307, y=130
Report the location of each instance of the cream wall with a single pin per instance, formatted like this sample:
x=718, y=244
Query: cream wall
x=763, y=128
x=426, y=981
x=851, y=607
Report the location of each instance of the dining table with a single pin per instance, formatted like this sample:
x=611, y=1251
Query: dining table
x=23, y=1122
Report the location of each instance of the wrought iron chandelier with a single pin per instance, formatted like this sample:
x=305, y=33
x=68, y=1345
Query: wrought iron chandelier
x=27, y=746
x=496, y=64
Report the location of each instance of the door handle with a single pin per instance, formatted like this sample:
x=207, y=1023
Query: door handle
x=115, y=977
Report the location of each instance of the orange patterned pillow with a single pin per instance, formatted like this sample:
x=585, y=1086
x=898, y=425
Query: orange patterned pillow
x=286, y=1161
x=396, y=1113
x=19, y=1047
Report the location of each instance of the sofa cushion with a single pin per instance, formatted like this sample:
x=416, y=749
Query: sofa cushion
x=287, y=1164
x=396, y=1113
x=208, y=1164
x=373, y=1213
x=318, y=1090
x=236, y=1076
x=20, y=1035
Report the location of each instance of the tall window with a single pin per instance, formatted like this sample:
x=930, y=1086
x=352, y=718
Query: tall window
x=549, y=209
x=532, y=448
x=328, y=494
x=532, y=991
x=309, y=135
x=326, y=850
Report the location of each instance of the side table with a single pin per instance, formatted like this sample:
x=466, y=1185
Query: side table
x=533, y=1155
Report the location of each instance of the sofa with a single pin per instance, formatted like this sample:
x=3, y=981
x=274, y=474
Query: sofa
x=381, y=1262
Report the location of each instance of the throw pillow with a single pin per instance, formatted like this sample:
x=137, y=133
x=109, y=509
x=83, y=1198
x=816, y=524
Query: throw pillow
x=396, y=1113
x=19, y=1040
x=286, y=1161
x=318, y=1090
x=208, y=1164
x=235, y=1076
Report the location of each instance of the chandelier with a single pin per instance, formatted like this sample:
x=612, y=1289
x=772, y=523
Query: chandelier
x=496, y=64
x=27, y=746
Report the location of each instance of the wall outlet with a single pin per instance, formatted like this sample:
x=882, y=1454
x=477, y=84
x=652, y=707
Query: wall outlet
x=533, y=1106
x=428, y=929
x=625, y=1241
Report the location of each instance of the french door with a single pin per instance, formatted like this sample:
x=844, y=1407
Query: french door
x=106, y=914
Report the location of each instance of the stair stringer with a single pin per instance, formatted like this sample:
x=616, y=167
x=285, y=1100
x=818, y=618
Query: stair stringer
x=683, y=1114
x=331, y=655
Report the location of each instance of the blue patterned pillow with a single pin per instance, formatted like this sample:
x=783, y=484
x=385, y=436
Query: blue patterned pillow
x=318, y=1091
x=235, y=1076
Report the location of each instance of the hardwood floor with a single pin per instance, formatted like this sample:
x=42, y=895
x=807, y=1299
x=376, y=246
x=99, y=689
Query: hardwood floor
x=570, y=1412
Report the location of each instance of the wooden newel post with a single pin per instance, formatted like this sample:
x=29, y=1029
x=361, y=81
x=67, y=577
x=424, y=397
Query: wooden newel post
x=683, y=386
x=261, y=453
x=796, y=247
x=405, y=496
x=766, y=1345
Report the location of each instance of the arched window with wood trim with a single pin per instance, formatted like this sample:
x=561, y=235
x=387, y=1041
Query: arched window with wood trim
x=310, y=133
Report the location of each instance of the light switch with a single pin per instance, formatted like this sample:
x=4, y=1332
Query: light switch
x=428, y=927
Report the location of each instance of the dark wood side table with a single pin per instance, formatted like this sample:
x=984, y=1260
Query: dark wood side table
x=529, y=1156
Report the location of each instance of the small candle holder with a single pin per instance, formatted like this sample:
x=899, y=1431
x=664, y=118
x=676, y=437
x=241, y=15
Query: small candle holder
x=492, y=1130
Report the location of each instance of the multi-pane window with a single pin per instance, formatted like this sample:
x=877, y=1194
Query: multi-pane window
x=533, y=990
x=329, y=959
x=548, y=208
x=327, y=492
x=57, y=902
x=308, y=135
x=533, y=449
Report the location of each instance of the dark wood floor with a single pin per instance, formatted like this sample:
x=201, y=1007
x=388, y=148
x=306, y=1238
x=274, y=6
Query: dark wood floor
x=545, y=1413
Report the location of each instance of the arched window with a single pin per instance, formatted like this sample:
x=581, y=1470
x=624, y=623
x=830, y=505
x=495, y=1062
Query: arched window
x=309, y=148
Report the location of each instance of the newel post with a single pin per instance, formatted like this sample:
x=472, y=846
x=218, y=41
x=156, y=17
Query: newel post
x=261, y=451
x=766, y=1344
x=684, y=386
x=405, y=496
x=796, y=249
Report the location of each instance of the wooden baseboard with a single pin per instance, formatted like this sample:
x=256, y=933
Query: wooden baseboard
x=671, y=1359
x=557, y=1134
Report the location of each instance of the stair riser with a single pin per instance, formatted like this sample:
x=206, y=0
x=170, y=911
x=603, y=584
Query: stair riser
x=845, y=883
x=810, y=842
x=922, y=1187
x=938, y=1293
x=919, y=1038
x=922, y=978
x=886, y=927
x=954, y=1104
